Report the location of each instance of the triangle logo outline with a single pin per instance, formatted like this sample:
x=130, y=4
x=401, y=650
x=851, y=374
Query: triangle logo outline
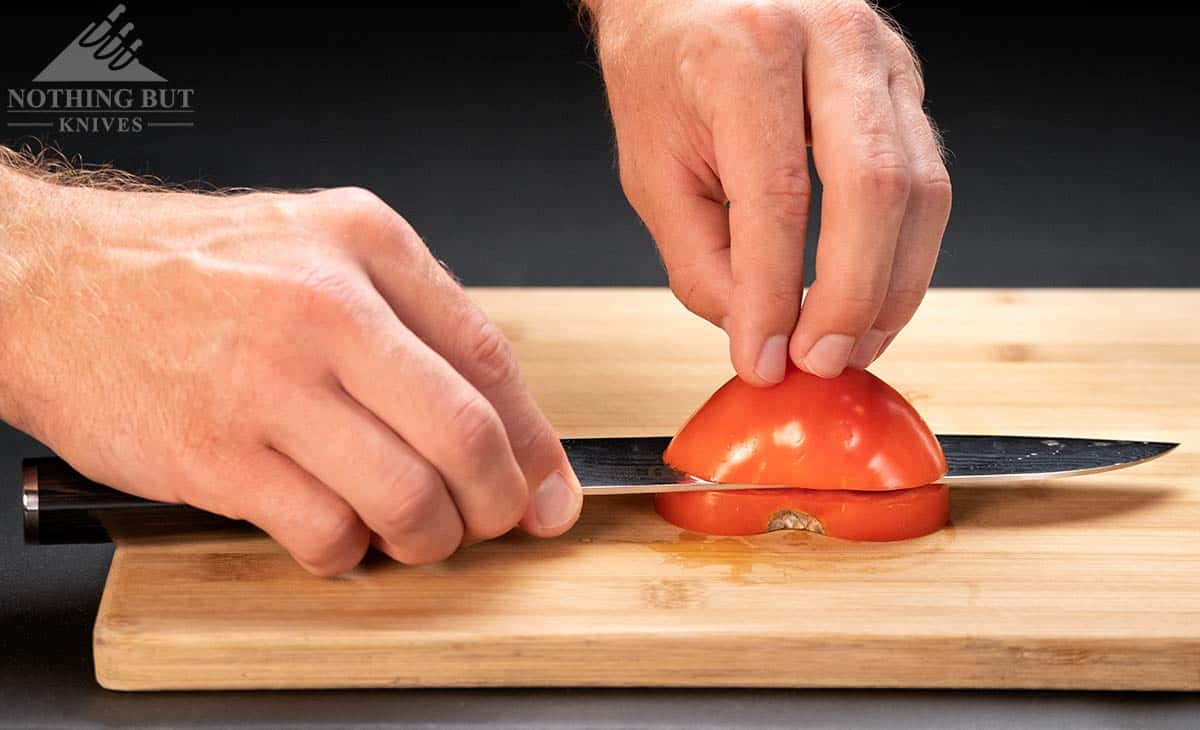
x=103, y=51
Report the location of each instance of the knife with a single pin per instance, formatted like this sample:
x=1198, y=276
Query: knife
x=63, y=506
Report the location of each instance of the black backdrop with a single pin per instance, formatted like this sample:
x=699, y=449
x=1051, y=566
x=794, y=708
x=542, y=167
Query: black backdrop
x=1072, y=130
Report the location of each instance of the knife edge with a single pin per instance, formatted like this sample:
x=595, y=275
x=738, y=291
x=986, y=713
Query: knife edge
x=633, y=465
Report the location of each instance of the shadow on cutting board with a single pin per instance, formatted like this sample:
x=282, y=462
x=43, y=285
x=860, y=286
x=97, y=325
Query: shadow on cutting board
x=1040, y=505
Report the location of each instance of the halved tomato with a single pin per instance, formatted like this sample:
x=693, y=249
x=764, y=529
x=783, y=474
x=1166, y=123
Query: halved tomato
x=862, y=460
x=849, y=432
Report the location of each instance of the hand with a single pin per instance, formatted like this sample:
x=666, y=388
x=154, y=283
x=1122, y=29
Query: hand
x=711, y=101
x=298, y=361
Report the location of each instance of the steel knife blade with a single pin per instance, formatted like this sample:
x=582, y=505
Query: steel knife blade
x=63, y=506
x=635, y=466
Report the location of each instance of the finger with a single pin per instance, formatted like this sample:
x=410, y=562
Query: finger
x=412, y=389
x=319, y=528
x=861, y=160
x=925, y=217
x=689, y=222
x=436, y=309
x=759, y=143
x=396, y=492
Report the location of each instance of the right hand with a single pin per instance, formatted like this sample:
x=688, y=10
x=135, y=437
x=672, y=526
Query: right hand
x=298, y=361
x=714, y=103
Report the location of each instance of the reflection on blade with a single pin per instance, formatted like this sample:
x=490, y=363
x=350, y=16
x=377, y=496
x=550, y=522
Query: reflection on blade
x=634, y=465
x=995, y=458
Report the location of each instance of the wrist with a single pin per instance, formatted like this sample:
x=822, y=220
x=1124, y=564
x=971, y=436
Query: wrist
x=625, y=29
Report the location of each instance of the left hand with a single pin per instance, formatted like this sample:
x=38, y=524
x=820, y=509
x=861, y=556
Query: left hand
x=717, y=100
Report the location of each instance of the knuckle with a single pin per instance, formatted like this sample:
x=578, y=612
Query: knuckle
x=490, y=355
x=531, y=432
x=321, y=292
x=502, y=516
x=932, y=184
x=414, y=497
x=787, y=191
x=782, y=297
x=861, y=302
x=355, y=201
x=475, y=426
x=884, y=177
x=765, y=25
x=855, y=22
x=329, y=546
x=905, y=76
x=362, y=217
x=902, y=303
x=906, y=67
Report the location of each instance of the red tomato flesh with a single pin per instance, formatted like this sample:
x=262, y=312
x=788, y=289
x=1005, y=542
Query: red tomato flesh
x=849, y=432
x=898, y=514
x=861, y=459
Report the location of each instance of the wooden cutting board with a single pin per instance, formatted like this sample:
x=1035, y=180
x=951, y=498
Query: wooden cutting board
x=1086, y=583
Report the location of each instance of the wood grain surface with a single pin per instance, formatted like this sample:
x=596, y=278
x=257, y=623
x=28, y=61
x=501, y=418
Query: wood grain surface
x=1086, y=583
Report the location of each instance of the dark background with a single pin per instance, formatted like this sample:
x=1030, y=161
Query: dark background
x=1074, y=158
x=1072, y=130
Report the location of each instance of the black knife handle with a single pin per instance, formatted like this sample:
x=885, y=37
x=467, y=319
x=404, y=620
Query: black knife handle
x=62, y=506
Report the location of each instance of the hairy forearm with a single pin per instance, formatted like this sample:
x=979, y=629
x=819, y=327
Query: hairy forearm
x=14, y=263
x=32, y=226
x=10, y=200
x=10, y=280
x=28, y=199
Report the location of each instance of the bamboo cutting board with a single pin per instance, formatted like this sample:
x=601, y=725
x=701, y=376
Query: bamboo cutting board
x=1086, y=583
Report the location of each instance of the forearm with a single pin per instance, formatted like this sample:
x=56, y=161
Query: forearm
x=25, y=223
x=12, y=265
x=9, y=200
x=29, y=231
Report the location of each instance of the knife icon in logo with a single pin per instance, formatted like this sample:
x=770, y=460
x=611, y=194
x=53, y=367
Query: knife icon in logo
x=103, y=51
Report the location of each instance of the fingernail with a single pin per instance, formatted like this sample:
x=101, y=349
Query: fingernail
x=867, y=349
x=555, y=503
x=772, y=359
x=827, y=357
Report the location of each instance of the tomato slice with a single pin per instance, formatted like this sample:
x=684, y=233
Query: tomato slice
x=873, y=516
x=850, y=432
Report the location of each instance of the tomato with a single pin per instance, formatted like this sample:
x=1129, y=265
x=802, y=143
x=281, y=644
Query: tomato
x=861, y=460
x=849, y=432
x=876, y=516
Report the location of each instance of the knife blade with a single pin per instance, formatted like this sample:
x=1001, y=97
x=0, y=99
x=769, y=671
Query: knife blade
x=63, y=506
x=635, y=465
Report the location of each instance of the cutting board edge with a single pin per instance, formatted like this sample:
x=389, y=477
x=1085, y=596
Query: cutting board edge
x=949, y=662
